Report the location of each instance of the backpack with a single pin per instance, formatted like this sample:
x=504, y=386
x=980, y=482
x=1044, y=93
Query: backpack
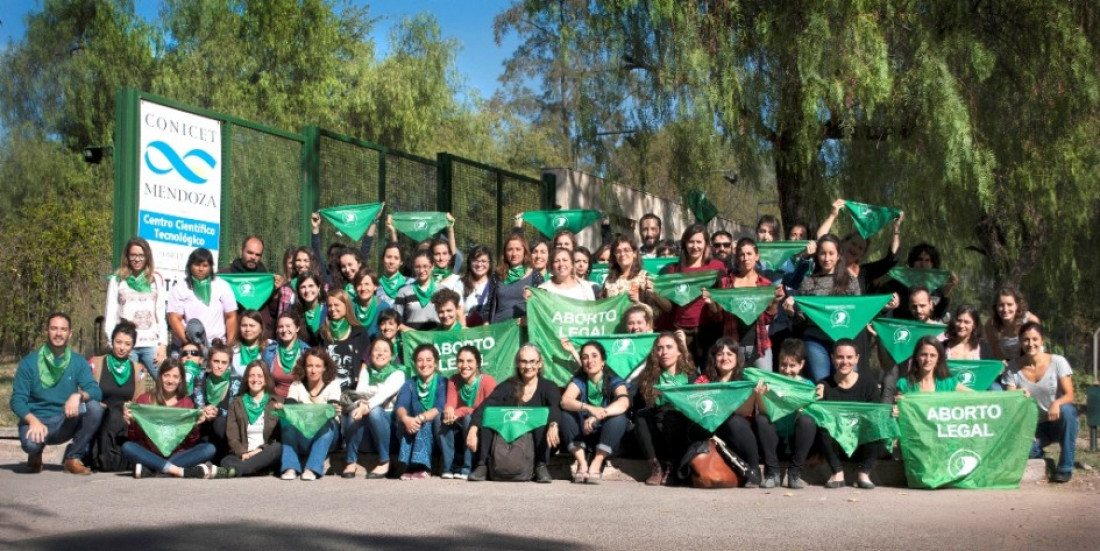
x=713, y=465
x=512, y=461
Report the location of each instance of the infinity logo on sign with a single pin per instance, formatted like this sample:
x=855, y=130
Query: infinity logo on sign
x=178, y=163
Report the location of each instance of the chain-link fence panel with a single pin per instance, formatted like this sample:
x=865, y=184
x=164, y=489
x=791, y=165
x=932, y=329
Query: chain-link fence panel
x=347, y=175
x=474, y=203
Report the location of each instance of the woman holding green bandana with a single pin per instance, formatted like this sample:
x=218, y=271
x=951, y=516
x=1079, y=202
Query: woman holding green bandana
x=311, y=308
x=282, y=355
x=252, y=431
x=214, y=390
x=315, y=383
x=250, y=341
x=414, y=301
x=391, y=280
x=513, y=275
x=442, y=272
x=372, y=409
x=419, y=406
x=345, y=338
x=204, y=297
x=136, y=293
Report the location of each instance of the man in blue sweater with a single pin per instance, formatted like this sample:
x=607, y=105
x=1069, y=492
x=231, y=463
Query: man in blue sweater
x=56, y=398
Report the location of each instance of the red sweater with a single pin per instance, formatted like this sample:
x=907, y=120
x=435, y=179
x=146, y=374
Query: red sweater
x=483, y=390
x=694, y=314
x=135, y=434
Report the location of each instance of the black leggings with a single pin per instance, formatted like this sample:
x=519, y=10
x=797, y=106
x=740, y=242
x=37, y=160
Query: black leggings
x=663, y=433
x=269, y=458
x=865, y=454
x=801, y=441
x=737, y=434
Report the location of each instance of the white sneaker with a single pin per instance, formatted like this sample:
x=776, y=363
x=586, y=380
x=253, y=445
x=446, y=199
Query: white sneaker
x=460, y=476
x=139, y=471
x=289, y=475
x=308, y=475
x=447, y=476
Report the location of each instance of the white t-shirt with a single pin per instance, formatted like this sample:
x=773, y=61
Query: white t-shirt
x=1046, y=390
x=581, y=291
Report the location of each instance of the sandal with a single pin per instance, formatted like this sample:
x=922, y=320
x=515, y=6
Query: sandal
x=580, y=477
x=593, y=478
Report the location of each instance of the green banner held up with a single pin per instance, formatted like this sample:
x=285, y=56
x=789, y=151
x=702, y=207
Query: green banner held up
x=899, y=337
x=549, y=222
x=854, y=423
x=653, y=266
x=625, y=351
x=976, y=374
x=165, y=426
x=700, y=206
x=599, y=273
x=512, y=422
x=774, y=254
x=869, y=219
x=498, y=344
x=916, y=277
x=551, y=317
x=352, y=220
x=785, y=396
x=842, y=317
x=306, y=418
x=251, y=290
x=747, y=303
x=710, y=404
x=420, y=225
x=966, y=439
x=684, y=288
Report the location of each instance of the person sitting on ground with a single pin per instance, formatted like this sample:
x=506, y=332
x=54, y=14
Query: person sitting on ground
x=847, y=385
x=123, y=385
x=419, y=406
x=253, y=430
x=593, y=406
x=466, y=390
x=724, y=366
x=315, y=383
x=792, y=358
x=214, y=390
x=661, y=430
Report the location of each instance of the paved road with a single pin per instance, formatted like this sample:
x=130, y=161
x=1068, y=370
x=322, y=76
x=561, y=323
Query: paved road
x=56, y=511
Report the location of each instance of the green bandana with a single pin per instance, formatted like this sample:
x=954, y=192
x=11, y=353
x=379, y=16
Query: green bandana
x=869, y=219
x=512, y=422
x=216, y=387
x=391, y=284
x=625, y=351
x=976, y=374
x=915, y=277
x=667, y=380
x=842, y=317
x=551, y=317
x=249, y=354
x=709, y=405
x=515, y=274
x=899, y=337
x=313, y=317
x=594, y=392
x=289, y=356
x=549, y=222
x=785, y=397
x=119, y=369
x=340, y=329
x=439, y=274
x=352, y=220
x=139, y=283
x=165, y=426
x=350, y=290
x=655, y=265
x=420, y=225
x=191, y=370
x=376, y=377
x=253, y=409
x=774, y=254
x=598, y=274
x=854, y=423
x=306, y=418
x=426, y=392
x=366, y=315
x=424, y=296
x=468, y=391
x=251, y=290
x=747, y=303
x=50, y=368
x=700, y=206
x=682, y=288
x=201, y=288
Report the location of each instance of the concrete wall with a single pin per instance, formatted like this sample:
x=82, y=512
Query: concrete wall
x=625, y=206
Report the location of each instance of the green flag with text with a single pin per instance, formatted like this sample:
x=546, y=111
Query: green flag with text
x=870, y=219
x=710, y=404
x=498, y=344
x=512, y=422
x=551, y=317
x=844, y=316
x=549, y=222
x=899, y=337
x=625, y=351
x=684, y=288
x=854, y=423
x=165, y=426
x=774, y=254
x=966, y=439
x=747, y=303
x=251, y=290
x=976, y=374
x=306, y=418
x=352, y=220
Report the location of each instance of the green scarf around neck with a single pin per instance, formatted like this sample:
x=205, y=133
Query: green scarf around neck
x=253, y=409
x=201, y=288
x=391, y=284
x=515, y=274
x=426, y=392
x=439, y=274
x=424, y=296
x=340, y=328
x=119, y=369
x=366, y=314
x=51, y=368
x=139, y=283
x=216, y=388
x=289, y=356
x=313, y=317
x=376, y=377
x=594, y=392
x=249, y=354
x=468, y=391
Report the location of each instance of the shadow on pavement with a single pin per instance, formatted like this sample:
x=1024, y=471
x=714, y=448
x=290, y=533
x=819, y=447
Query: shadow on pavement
x=251, y=535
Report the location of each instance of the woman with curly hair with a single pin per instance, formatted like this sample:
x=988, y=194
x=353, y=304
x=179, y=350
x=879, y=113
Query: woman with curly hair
x=315, y=383
x=661, y=429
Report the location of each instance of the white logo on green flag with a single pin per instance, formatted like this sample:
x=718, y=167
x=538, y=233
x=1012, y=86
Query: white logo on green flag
x=624, y=346
x=840, y=318
x=706, y=406
x=902, y=335
x=963, y=462
x=560, y=222
x=497, y=343
x=247, y=289
x=516, y=416
x=349, y=217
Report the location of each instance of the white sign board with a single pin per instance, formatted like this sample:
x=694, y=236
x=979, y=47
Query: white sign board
x=180, y=178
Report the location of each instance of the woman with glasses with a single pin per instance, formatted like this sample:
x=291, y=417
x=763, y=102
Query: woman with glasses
x=135, y=293
x=625, y=273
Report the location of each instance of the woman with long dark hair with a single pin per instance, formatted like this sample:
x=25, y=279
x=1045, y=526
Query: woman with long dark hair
x=205, y=297
x=593, y=420
x=662, y=431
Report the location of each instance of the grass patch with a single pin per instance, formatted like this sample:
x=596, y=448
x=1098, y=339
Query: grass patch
x=7, y=375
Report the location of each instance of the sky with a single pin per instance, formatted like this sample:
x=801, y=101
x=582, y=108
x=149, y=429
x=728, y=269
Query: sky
x=480, y=61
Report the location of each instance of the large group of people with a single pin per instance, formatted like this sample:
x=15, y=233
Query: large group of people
x=330, y=334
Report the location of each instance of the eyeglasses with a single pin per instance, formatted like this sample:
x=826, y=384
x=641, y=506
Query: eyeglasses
x=136, y=256
x=722, y=245
x=527, y=364
x=191, y=353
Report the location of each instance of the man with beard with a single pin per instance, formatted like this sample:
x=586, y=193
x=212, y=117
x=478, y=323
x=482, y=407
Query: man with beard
x=250, y=262
x=650, y=229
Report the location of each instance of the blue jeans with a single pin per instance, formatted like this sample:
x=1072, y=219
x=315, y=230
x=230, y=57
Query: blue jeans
x=1063, y=431
x=198, y=454
x=81, y=429
x=606, y=438
x=316, y=449
x=416, y=449
x=378, y=422
x=452, y=440
x=818, y=363
x=146, y=355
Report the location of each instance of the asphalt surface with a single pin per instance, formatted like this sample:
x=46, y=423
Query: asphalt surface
x=57, y=511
